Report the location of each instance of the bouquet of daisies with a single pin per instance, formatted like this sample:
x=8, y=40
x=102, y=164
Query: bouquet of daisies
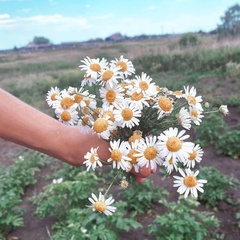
x=145, y=124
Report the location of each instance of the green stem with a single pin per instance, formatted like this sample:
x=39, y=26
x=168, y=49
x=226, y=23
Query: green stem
x=111, y=184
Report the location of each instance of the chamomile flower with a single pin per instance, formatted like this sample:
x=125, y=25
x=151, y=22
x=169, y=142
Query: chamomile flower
x=118, y=154
x=126, y=66
x=145, y=85
x=194, y=156
x=84, y=125
x=65, y=100
x=148, y=153
x=195, y=115
x=184, y=118
x=109, y=76
x=132, y=146
x=67, y=116
x=51, y=96
x=178, y=94
x=92, y=159
x=171, y=145
x=101, y=204
x=188, y=183
x=124, y=183
x=170, y=164
x=57, y=181
x=93, y=66
x=111, y=95
x=193, y=100
x=103, y=127
x=223, y=109
x=88, y=80
x=127, y=114
x=164, y=106
x=138, y=99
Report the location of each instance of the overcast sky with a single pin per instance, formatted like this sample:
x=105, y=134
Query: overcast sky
x=81, y=20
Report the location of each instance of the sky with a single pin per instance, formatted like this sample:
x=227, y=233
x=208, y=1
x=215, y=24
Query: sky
x=82, y=20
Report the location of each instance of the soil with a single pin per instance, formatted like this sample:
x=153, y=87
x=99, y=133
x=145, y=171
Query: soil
x=40, y=229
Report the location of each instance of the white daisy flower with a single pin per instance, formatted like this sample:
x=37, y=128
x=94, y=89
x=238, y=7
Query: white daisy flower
x=223, y=109
x=148, y=153
x=65, y=100
x=67, y=116
x=88, y=80
x=194, y=156
x=103, y=127
x=170, y=165
x=188, y=183
x=124, y=183
x=195, y=115
x=109, y=76
x=178, y=94
x=57, y=181
x=137, y=135
x=92, y=159
x=190, y=95
x=101, y=205
x=164, y=106
x=93, y=66
x=118, y=154
x=111, y=95
x=126, y=66
x=51, y=96
x=138, y=99
x=132, y=146
x=184, y=118
x=84, y=125
x=143, y=84
x=171, y=145
x=126, y=114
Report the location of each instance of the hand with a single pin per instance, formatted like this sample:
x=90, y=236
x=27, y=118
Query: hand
x=143, y=173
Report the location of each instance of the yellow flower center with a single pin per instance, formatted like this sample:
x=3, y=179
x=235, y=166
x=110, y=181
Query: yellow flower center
x=96, y=113
x=86, y=110
x=190, y=181
x=127, y=114
x=95, y=67
x=87, y=101
x=194, y=113
x=92, y=158
x=158, y=88
x=137, y=96
x=85, y=120
x=165, y=104
x=192, y=100
x=137, y=135
x=116, y=155
x=143, y=85
x=66, y=102
x=131, y=155
x=107, y=75
x=178, y=93
x=150, y=153
x=123, y=66
x=53, y=96
x=110, y=115
x=100, y=125
x=111, y=96
x=100, y=206
x=192, y=155
x=78, y=98
x=174, y=144
x=66, y=116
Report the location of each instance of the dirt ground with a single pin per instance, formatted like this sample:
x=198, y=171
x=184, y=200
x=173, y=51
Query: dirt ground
x=40, y=229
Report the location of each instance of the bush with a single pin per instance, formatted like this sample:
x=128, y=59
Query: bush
x=188, y=40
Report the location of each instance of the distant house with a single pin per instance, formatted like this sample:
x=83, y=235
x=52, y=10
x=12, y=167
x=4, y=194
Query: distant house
x=34, y=47
x=116, y=37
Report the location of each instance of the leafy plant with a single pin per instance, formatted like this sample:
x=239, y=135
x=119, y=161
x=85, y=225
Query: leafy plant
x=141, y=197
x=229, y=144
x=183, y=222
x=216, y=187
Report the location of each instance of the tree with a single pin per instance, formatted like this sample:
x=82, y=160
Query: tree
x=40, y=40
x=230, y=22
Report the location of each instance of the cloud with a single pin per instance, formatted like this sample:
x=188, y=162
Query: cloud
x=106, y=16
